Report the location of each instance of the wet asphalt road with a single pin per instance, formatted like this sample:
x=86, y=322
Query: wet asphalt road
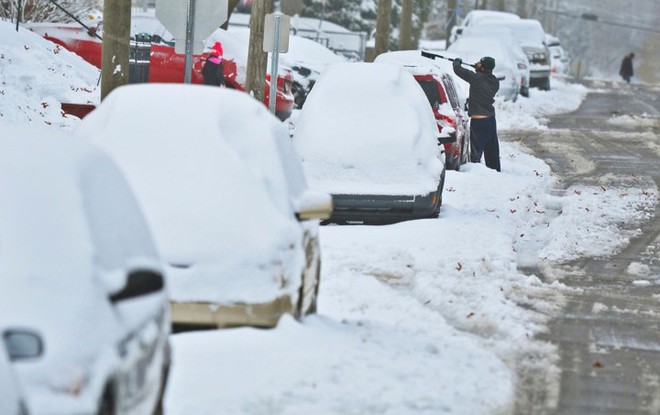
x=608, y=333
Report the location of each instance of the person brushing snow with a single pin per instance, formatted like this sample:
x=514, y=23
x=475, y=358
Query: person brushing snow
x=483, y=128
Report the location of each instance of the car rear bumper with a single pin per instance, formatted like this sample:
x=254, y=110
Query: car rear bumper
x=541, y=73
x=205, y=315
x=379, y=209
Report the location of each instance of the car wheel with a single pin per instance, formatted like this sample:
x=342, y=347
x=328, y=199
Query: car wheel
x=436, y=210
x=524, y=91
x=312, y=305
x=107, y=406
x=466, y=147
x=165, y=374
x=451, y=162
x=545, y=84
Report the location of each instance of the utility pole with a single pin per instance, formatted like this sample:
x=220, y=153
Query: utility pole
x=257, y=58
x=116, y=45
x=383, y=24
x=405, y=29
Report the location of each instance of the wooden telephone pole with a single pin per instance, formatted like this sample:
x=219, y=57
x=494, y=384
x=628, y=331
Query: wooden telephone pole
x=257, y=58
x=116, y=45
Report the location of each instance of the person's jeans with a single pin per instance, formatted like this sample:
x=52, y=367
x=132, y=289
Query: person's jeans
x=484, y=141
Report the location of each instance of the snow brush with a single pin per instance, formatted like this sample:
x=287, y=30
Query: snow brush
x=434, y=55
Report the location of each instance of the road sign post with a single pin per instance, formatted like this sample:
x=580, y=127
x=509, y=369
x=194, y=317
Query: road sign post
x=276, y=40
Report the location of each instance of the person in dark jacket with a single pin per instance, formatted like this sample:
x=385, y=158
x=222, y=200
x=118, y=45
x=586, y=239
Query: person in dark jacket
x=483, y=128
x=212, y=71
x=626, y=70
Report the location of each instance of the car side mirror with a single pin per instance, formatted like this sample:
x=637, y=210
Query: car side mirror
x=139, y=282
x=23, y=344
x=314, y=205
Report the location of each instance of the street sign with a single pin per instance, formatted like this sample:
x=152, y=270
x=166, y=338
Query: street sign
x=282, y=32
x=209, y=15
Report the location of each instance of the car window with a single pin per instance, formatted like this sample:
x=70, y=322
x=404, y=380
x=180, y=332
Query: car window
x=451, y=91
x=431, y=91
x=117, y=227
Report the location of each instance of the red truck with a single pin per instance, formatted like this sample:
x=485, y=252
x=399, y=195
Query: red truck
x=150, y=38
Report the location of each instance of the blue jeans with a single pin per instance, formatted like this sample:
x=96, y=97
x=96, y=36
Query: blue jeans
x=484, y=141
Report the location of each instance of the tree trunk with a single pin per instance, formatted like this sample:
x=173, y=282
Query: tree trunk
x=521, y=8
x=116, y=45
x=257, y=58
x=501, y=5
x=451, y=18
x=405, y=28
x=383, y=24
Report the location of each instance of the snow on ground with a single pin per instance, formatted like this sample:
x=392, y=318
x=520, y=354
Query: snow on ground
x=428, y=316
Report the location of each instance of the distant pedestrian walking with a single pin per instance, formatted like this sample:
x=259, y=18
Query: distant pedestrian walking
x=483, y=127
x=212, y=71
x=626, y=70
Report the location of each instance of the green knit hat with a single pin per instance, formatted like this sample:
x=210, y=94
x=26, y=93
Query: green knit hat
x=488, y=63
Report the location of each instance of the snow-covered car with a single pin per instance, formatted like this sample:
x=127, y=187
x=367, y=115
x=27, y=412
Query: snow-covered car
x=225, y=195
x=367, y=135
x=13, y=400
x=443, y=95
x=475, y=17
x=473, y=48
x=504, y=34
x=78, y=265
x=531, y=36
x=559, y=60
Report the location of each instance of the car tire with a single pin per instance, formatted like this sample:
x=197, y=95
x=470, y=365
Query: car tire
x=300, y=313
x=466, y=150
x=107, y=405
x=545, y=84
x=524, y=91
x=313, y=304
x=436, y=211
x=452, y=163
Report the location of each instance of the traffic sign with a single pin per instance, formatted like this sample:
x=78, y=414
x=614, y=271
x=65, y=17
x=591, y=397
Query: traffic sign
x=209, y=15
x=276, y=25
